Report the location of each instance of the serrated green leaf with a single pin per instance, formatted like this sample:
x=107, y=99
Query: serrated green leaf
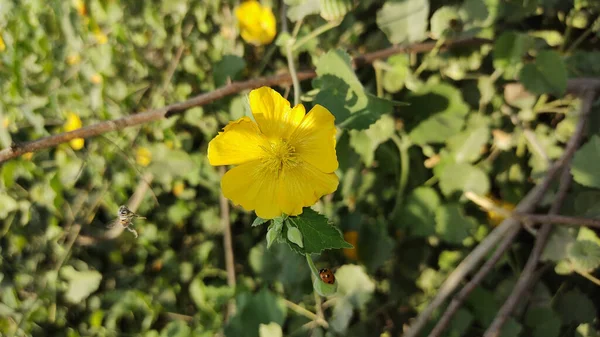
x=461, y=178
x=585, y=255
x=258, y=221
x=404, y=22
x=317, y=233
x=546, y=75
x=585, y=167
x=452, y=225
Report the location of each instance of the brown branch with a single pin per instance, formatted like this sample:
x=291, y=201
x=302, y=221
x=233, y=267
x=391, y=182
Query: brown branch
x=526, y=278
x=459, y=298
x=227, y=244
x=152, y=115
x=559, y=219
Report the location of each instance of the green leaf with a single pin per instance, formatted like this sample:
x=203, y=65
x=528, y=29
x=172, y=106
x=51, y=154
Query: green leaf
x=324, y=289
x=418, y=213
x=176, y=329
x=270, y=330
x=230, y=67
x=394, y=77
x=466, y=146
x=298, y=10
x=460, y=178
x=558, y=244
x=81, y=283
x=436, y=113
x=404, y=21
x=341, y=92
x=252, y=311
x=274, y=231
x=355, y=290
x=585, y=255
x=509, y=49
x=452, y=225
x=543, y=321
x=317, y=233
x=375, y=246
x=294, y=235
x=332, y=10
x=575, y=307
x=258, y=221
x=547, y=74
x=585, y=167
x=365, y=142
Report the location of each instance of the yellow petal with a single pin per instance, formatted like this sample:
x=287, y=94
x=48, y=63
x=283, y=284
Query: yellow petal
x=275, y=118
x=248, y=186
x=314, y=139
x=257, y=23
x=73, y=122
x=77, y=143
x=302, y=186
x=240, y=142
x=143, y=156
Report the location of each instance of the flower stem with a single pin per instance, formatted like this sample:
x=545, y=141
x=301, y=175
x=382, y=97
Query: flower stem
x=403, y=146
x=312, y=266
x=315, y=33
x=293, y=74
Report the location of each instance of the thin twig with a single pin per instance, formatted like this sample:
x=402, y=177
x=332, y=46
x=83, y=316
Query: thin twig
x=525, y=280
x=148, y=116
x=458, y=300
x=227, y=244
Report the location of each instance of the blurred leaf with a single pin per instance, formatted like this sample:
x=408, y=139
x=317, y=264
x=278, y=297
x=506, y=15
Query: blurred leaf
x=332, y=10
x=574, y=306
x=558, y=244
x=176, y=329
x=509, y=49
x=547, y=74
x=585, y=255
x=298, y=9
x=435, y=113
x=404, y=21
x=228, y=68
x=394, y=77
x=317, y=233
x=355, y=289
x=375, y=246
x=270, y=330
x=452, y=225
x=259, y=221
x=418, y=213
x=466, y=146
x=586, y=163
x=252, y=311
x=543, y=321
x=461, y=178
x=81, y=283
x=365, y=142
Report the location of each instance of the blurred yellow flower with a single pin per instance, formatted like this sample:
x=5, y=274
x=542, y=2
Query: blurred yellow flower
x=96, y=78
x=495, y=218
x=27, y=155
x=73, y=123
x=73, y=59
x=257, y=23
x=286, y=159
x=101, y=38
x=143, y=156
x=80, y=7
x=178, y=188
x=2, y=45
x=5, y=122
x=352, y=238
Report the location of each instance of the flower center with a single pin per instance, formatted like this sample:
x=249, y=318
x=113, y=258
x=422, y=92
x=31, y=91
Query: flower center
x=280, y=155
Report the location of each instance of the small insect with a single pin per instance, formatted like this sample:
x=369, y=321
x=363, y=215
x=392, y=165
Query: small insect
x=327, y=276
x=125, y=218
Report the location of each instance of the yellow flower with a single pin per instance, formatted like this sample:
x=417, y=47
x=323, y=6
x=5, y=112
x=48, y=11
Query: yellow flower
x=96, y=78
x=2, y=44
x=73, y=59
x=80, y=7
x=178, y=188
x=74, y=123
x=27, y=155
x=285, y=159
x=143, y=156
x=257, y=23
x=496, y=218
x=101, y=38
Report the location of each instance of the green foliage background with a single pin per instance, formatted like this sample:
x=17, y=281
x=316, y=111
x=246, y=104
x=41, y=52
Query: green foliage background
x=485, y=118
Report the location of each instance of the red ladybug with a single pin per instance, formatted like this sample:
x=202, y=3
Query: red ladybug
x=327, y=276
